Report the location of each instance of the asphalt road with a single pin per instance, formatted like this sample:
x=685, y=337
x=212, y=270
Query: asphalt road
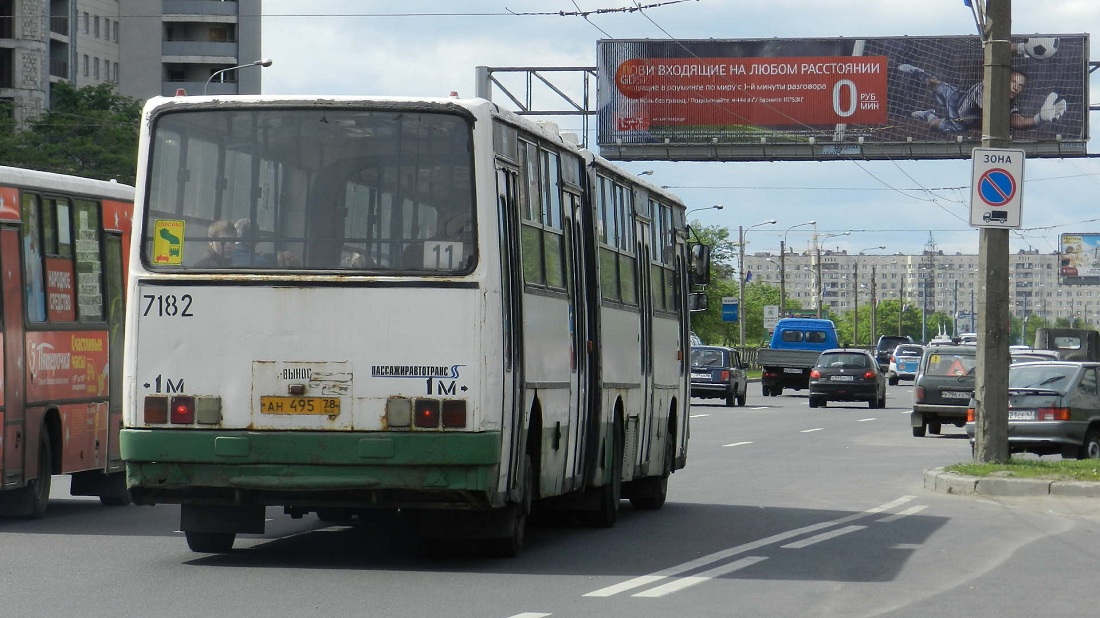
x=782, y=511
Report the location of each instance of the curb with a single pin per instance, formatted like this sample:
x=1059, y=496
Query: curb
x=959, y=484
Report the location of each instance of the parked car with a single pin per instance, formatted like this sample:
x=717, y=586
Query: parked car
x=885, y=347
x=943, y=387
x=847, y=374
x=904, y=362
x=1053, y=407
x=718, y=372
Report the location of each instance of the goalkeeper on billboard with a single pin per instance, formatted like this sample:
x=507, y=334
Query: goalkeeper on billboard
x=959, y=110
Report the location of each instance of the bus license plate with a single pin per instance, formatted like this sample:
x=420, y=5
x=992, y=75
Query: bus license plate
x=299, y=405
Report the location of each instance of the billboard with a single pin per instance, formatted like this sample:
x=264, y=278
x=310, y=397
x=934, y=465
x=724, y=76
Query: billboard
x=814, y=99
x=1079, y=259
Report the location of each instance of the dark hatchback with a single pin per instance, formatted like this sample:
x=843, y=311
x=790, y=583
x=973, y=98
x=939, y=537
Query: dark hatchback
x=718, y=372
x=1053, y=407
x=847, y=374
x=885, y=347
x=943, y=387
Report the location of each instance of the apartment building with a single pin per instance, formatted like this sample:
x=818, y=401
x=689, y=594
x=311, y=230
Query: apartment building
x=146, y=47
x=180, y=44
x=934, y=281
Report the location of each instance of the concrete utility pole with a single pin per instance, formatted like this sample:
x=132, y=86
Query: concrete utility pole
x=991, y=387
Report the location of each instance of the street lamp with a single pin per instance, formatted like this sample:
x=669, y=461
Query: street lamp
x=818, y=286
x=715, y=207
x=855, y=291
x=741, y=276
x=783, y=268
x=266, y=62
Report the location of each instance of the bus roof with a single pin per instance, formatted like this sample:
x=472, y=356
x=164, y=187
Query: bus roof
x=63, y=183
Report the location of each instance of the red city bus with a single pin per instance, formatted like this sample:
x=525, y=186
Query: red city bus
x=63, y=245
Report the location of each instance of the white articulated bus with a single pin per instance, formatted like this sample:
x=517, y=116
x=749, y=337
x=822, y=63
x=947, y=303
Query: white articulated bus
x=433, y=305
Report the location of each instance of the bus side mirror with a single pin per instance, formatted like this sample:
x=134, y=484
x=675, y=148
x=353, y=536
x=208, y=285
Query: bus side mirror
x=697, y=301
x=700, y=264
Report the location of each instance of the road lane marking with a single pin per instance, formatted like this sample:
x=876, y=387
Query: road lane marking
x=737, y=444
x=913, y=510
x=812, y=430
x=864, y=420
x=824, y=536
x=698, y=415
x=687, y=582
x=691, y=565
x=530, y=615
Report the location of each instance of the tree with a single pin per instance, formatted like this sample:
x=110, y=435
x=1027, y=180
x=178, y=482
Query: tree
x=708, y=324
x=90, y=131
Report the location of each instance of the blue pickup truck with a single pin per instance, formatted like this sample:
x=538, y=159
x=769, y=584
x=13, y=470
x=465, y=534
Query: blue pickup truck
x=796, y=343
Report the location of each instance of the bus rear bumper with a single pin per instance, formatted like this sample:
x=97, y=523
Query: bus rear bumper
x=313, y=469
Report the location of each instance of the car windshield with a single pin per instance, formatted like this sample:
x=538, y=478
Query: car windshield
x=844, y=360
x=950, y=364
x=706, y=358
x=1054, y=377
x=908, y=350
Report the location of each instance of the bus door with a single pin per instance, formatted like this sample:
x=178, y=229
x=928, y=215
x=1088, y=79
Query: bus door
x=645, y=313
x=11, y=388
x=580, y=360
x=511, y=288
x=113, y=269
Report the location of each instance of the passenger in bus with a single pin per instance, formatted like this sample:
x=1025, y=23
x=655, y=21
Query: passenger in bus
x=223, y=238
x=244, y=252
x=356, y=260
x=288, y=259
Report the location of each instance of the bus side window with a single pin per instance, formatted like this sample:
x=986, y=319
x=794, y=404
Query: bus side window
x=33, y=281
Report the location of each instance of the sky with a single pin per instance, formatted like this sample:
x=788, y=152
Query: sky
x=432, y=48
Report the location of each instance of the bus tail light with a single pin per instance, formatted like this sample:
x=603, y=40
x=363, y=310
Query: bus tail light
x=454, y=413
x=156, y=410
x=183, y=410
x=427, y=413
x=1052, y=414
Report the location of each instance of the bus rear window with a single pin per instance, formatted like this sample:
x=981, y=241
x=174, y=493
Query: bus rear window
x=311, y=189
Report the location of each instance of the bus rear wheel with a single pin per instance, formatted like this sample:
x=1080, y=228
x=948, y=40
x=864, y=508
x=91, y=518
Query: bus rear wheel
x=510, y=546
x=654, y=490
x=30, y=502
x=210, y=542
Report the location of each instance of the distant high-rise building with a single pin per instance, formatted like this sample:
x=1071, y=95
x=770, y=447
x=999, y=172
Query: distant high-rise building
x=146, y=47
x=172, y=44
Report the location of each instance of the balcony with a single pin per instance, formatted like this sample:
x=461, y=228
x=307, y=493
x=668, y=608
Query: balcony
x=200, y=7
x=216, y=53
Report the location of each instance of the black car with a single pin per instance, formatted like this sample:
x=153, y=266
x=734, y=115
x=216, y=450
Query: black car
x=942, y=390
x=718, y=372
x=847, y=374
x=1053, y=407
x=885, y=347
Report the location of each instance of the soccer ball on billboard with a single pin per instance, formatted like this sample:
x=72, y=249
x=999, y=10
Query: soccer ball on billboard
x=1040, y=48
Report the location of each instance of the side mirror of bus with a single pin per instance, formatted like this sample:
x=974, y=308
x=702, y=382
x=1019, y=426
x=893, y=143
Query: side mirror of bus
x=700, y=264
x=697, y=301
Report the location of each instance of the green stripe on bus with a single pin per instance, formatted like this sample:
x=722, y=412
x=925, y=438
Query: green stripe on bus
x=311, y=447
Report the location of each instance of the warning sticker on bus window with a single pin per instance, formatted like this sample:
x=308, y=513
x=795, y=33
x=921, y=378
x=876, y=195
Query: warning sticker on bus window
x=168, y=241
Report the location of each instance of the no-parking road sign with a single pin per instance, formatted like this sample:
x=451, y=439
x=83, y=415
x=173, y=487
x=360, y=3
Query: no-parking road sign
x=996, y=188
